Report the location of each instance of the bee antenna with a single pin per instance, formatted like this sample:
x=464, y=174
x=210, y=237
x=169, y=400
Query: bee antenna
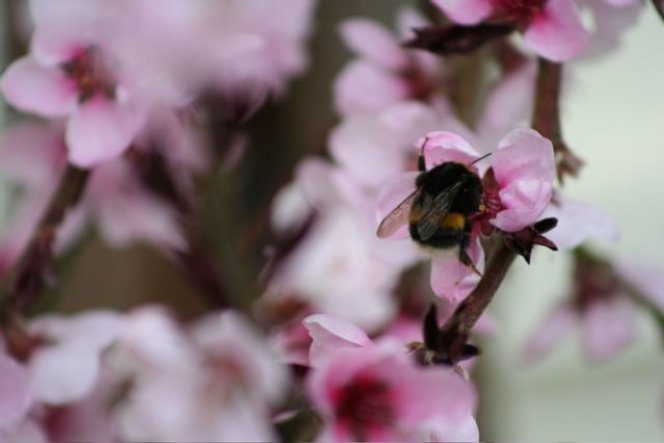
x=424, y=144
x=481, y=158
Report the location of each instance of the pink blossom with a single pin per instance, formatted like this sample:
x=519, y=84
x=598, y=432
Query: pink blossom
x=452, y=279
x=28, y=430
x=611, y=19
x=553, y=28
x=63, y=78
x=66, y=367
x=579, y=222
x=15, y=392
x=89, y=419
x=376, y=393
x=329, y=334
x=385, y=72
x=377, y=146
x=115, y=199
x=329, y=268
x=125, y=212
x=213, y=381
x=600, y=306
x=524, y=169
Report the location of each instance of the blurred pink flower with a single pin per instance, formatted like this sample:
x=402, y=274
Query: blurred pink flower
x=65, y=367
x=125, y=212
x=552, y=28
x=376, y=146
x=610, y=21
x=376, y=393
x=600, y=305
x=33, y=157
x=385, y=73
x=64, y=78
x=579, y=222
x=116, y=199
x=329, y=269
x=15, y=392
x=213, y=381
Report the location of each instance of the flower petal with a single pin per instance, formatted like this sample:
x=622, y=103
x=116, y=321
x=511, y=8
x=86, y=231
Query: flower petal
x=15, y=393
x=524, y=168
x=557, y=33
x=101, y=129
x=549, y=332
x=451, y=279
x=444, y=146
x=373, y=42
x=65, y=372
x=363, y=86
x=609, y=327
x=579, y=222
x=32, y=87
x=330, y=334
x=646, y=278
x=465, y=12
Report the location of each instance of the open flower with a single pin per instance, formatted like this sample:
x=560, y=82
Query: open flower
x=552, y=28
x=73, y=78
x=518, y=185
x=214, y=381
x=65, y=366
x=377, y=393
x=602, y=304
x=385, y=73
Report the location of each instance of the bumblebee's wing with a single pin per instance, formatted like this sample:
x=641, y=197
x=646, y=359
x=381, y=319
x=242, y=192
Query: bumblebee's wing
x=435, y=211
x=398, y=217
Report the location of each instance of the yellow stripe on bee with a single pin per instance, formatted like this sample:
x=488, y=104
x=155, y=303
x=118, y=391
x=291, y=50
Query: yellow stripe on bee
x=453, y=220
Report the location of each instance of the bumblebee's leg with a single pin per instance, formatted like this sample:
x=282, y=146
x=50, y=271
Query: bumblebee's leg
x=463, y=251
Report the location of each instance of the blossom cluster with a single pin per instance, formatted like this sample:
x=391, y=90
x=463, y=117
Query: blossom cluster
x=336, y=330
x=116, y=77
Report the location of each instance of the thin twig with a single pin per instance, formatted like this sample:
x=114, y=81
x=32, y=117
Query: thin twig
x=470, y=310
x=546, y=116
x=33, y=270
x=659, y=7
x=450, y=345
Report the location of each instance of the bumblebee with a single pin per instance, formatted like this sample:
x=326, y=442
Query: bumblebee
x=438, y=211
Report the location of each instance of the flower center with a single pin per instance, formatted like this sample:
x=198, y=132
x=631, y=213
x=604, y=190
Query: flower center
x=364, y=404
x=89, y=74
x=519, y=10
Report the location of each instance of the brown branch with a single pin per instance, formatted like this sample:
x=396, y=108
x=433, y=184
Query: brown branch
x=456, y=39
x=450, y=345
x=470, y=310
x=34, y=269
x=546, y=116
x=195, y=261
x=659, y=7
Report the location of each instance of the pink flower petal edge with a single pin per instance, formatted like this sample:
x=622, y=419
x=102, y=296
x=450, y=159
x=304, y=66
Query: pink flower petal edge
x=557, y=33
x=465, y=12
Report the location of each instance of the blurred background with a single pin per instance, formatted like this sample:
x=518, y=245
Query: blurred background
x=612, y=119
